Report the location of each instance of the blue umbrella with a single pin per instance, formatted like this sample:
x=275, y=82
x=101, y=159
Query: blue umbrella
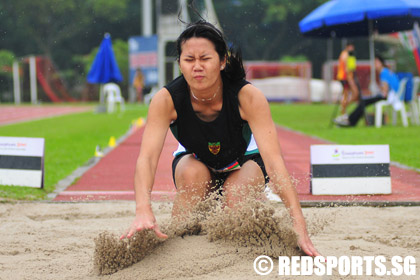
x=104, y=68
x=351, y=18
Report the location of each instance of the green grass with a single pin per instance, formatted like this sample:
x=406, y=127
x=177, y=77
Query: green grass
x=313, y=119
x=70, y=142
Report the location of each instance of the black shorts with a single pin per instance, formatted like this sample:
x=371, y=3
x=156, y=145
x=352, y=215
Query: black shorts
x=220, y=177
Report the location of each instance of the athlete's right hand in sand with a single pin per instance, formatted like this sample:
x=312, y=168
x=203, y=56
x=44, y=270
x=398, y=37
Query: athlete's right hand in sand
x=144, y=220
x=304, y=240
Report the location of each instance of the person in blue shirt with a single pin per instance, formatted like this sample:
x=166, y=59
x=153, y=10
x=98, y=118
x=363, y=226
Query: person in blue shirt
x=389, y=84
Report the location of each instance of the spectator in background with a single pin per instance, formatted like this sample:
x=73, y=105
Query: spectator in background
x=347, y=76
x=138, y=84
x=389, y=85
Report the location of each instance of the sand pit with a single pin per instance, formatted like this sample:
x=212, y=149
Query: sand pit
x=57, y=241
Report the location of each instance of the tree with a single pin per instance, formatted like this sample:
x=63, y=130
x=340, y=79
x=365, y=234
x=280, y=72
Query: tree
x=6, y=61
x=269, y=29
x=44, y=26
x=61, y=29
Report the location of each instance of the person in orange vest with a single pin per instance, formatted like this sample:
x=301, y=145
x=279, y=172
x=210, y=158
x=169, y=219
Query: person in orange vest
x=389, y=86
x=346, y=74
x=138, y=84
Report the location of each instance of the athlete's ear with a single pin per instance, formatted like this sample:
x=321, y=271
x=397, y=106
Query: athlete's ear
x=223, y=63
x=179, y=65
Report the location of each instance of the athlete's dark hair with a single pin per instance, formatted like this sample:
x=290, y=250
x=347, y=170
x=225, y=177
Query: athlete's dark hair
x=234, y=69
x=381, y=59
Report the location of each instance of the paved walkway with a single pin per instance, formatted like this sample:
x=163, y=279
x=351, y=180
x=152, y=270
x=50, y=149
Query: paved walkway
x=10, y=114
x=112, y=177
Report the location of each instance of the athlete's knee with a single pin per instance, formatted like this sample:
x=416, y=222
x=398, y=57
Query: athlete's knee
x=192, y=173
x=249, y=178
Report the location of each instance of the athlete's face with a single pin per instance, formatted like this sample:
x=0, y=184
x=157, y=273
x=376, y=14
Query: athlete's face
x=200, y=63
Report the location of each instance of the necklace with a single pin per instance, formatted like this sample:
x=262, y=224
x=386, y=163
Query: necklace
x=204, y=99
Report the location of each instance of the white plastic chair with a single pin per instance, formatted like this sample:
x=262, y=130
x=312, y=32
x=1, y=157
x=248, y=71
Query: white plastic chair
x=148, y=97
x=380, y=104
x=413, y=103
x=112, y=94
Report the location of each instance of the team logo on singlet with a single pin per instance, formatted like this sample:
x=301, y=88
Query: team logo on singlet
x=214, y=147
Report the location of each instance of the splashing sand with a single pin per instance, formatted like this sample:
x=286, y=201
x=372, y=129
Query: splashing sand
x=256, y=226
x=55, y=241
x=112, y=254
x=253, y=225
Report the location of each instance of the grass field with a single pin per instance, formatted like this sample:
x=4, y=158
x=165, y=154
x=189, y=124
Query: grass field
x=71, y=139
x=314, y=119
x=70, y=142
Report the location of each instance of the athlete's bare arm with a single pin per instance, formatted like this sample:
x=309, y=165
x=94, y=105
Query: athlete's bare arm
x=161, y=114
x=254, y=108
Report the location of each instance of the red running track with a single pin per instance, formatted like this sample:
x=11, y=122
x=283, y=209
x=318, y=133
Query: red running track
x=113, y=176
x=14, y=114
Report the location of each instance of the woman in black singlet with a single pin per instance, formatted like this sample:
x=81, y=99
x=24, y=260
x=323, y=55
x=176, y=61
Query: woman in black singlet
x=227, y=137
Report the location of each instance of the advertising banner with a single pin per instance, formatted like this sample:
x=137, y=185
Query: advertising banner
x=143, y=56
x=22, y=161
x=350, y=169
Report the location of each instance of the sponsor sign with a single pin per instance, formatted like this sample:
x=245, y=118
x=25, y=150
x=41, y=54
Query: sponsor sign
x=22, y=161
x=143, y=55
x=350, y=169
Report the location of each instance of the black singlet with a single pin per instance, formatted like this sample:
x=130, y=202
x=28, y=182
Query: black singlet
x=220, y=144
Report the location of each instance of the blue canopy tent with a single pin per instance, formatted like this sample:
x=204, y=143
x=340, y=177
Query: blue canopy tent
x=352, y=18
x=104, y=68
